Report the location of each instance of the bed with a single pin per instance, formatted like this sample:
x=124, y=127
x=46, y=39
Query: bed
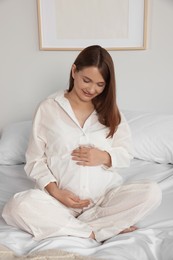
x=153, y=160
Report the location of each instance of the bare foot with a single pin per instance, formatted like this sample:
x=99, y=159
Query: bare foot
x=130, y=229
x=92, y=235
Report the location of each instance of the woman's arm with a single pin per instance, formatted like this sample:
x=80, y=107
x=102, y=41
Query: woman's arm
x=122, y=150
x=36, y=161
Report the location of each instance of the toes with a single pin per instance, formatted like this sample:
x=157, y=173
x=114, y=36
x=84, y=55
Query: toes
x=130, y=229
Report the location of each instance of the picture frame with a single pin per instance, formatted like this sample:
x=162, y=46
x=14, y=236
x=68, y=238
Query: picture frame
x=76, y=24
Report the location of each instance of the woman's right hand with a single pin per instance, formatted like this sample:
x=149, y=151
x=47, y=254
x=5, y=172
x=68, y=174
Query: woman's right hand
x=70, y=200
x=66, y=197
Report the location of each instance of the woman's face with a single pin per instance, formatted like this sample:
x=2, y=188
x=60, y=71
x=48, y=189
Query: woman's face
x=88, y=83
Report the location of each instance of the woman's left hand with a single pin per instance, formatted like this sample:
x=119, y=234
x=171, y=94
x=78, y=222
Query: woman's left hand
x=91, y=156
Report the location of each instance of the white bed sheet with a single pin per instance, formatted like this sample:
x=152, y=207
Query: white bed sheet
x=152, y=241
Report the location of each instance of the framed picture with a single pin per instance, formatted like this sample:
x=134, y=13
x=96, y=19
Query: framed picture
x=76, y=24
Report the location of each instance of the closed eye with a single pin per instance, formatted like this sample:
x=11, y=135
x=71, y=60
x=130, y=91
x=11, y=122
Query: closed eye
x=86, y=80
x=101, y=84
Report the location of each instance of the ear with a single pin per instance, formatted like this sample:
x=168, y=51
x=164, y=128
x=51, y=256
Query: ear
x=73, y=70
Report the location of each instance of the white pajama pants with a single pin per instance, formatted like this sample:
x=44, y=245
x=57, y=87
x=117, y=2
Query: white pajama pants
x=43, y=216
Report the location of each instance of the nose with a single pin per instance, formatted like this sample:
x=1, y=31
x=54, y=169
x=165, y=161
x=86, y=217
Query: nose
x=91, y=89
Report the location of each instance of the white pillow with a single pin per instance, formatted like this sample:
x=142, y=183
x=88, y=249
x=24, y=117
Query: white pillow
x=152, y=136
x=14, y=142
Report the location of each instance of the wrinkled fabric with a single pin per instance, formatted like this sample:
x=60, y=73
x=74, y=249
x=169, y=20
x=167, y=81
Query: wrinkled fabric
x=153, y=240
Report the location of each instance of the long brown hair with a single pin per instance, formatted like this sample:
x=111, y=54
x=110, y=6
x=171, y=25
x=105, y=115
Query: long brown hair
x=105, y=103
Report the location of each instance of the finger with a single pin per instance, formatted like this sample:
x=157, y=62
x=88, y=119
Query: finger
x=75, y=198
x=76, y=159
x=76, y=154
x=83, y=149
x=80, y=205
x=85, y=201
x=80, y=159
x=79, y=153
x=77, y=206
x=78, y=149
x=83, y=163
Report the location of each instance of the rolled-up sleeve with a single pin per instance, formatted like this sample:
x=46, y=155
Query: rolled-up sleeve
x=121, y=151
x=36, y=160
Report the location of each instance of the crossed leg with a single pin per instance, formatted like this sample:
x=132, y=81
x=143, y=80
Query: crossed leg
x=121, y=209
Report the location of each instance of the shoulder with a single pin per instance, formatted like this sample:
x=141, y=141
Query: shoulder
x=47, y=105
x=51, y=99
x=58, y=94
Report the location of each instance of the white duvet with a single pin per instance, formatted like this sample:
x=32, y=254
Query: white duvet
x=152, y=241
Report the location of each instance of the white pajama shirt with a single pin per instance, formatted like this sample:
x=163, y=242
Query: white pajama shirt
x=56, y=133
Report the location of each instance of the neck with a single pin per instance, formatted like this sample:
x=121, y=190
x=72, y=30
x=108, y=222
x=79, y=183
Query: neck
x=77, y=102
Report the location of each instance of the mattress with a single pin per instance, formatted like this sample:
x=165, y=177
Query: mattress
x=152, y=241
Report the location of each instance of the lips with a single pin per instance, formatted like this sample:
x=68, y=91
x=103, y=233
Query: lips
x=87, y=94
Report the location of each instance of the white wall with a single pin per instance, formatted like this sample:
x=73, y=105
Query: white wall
x=27, y=75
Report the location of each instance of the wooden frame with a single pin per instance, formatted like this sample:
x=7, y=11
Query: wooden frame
x=113, y=24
